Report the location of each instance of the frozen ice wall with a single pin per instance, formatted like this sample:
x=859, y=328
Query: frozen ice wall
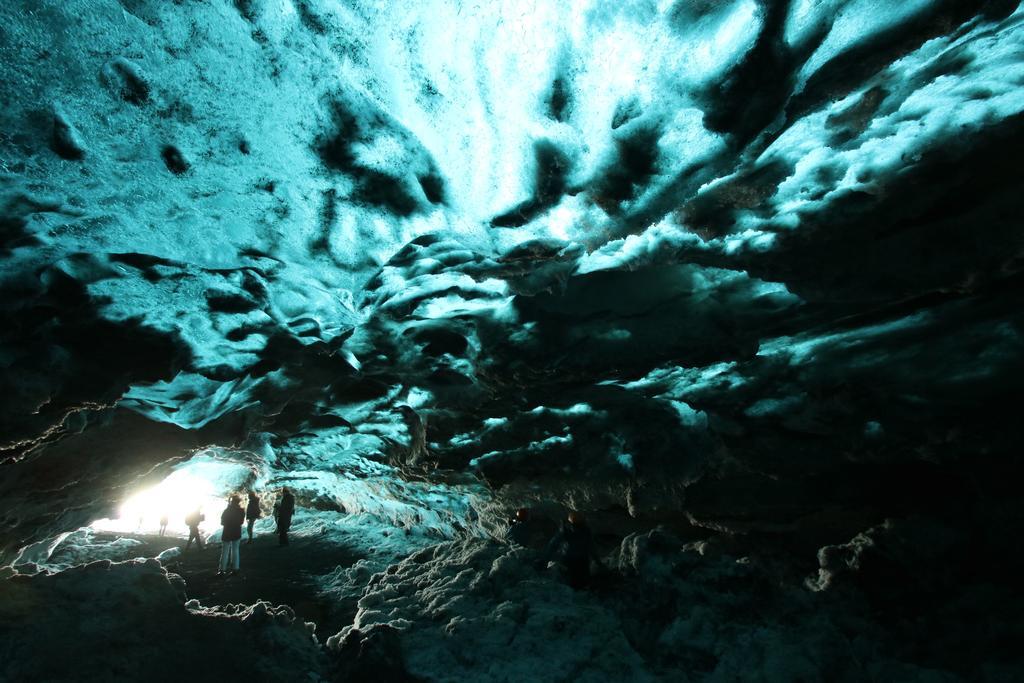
x=745, y=269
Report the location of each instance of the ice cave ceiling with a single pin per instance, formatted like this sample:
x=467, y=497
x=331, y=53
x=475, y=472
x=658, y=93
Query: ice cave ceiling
x=748, y=267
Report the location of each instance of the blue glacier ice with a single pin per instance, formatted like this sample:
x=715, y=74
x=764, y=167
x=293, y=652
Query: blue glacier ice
x=740, y=280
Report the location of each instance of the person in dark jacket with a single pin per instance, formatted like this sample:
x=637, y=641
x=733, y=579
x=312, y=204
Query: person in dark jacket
x=252, y=512
x=285, y=509
x=576, y=545
x=192, y=520
x=231, y=520
x=518, y=531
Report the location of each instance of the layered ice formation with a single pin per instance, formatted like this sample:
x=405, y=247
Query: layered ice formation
x=740, y=280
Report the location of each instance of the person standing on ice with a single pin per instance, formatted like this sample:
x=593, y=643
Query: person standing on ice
x=284, y=509
x=576, y=545
x=518, y=531
x=231, y=520
x=252, y=512
x=192, y=520
x=163, y=524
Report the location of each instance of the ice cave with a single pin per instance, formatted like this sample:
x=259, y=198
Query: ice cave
x=592, y=340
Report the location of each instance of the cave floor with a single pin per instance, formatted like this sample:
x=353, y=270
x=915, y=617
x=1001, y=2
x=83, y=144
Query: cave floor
x=279, y=575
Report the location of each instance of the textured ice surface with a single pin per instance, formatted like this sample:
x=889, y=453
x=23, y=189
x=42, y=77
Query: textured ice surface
x=747, y=269
x=52, y=626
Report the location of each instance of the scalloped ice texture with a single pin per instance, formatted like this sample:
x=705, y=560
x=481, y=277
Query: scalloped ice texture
x=741, y=268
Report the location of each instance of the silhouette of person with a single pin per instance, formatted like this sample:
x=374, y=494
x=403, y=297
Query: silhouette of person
x=417, y=427
x=576, y=545
x=518, y=531
x=285, y=508
x=192, y=520
x=163, y=524
x=231, y=536
x=252, y=512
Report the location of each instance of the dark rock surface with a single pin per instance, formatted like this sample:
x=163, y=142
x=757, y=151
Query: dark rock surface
x=104, y=621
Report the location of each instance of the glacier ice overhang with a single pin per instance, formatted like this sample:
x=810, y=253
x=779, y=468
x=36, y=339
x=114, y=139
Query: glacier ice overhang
x=738, y=267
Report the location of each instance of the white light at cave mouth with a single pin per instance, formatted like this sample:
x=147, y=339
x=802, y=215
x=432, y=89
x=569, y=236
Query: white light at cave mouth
x=202, y=482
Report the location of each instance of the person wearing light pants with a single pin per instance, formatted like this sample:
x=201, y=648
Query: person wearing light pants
x=231, y=520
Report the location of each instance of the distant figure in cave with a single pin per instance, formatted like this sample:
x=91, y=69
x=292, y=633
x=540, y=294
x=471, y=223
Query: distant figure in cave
x=519, y=527
x=252, y=512
x=193, y=519
x=283, y=511
x=576, y=546
x=417, y=436
x=231, y=520
x=163, y=524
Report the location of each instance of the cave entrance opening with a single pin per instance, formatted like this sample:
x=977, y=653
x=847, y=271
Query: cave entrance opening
x=203, y=482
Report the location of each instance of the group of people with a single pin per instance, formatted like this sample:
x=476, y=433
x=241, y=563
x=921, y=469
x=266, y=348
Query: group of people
x=573, y=544
x=231, y=521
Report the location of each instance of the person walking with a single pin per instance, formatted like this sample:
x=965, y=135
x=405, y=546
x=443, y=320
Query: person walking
x=252, y=513
x=285, y=509
x=231, y=521
x=163, y=524
x=192, y=520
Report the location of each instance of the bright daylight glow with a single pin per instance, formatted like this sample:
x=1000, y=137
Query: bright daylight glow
x=202, y=481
